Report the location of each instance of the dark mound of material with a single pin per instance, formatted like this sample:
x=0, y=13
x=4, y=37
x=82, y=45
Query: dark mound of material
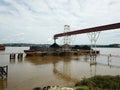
x=84, y=47
x=55, y=45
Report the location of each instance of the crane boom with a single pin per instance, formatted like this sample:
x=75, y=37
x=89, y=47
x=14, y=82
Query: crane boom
x=93, y=29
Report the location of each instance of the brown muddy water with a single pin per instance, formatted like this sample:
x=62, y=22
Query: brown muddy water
x=30, y=72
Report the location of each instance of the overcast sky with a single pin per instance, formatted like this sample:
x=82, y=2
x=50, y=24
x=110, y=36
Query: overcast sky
x=36, y=21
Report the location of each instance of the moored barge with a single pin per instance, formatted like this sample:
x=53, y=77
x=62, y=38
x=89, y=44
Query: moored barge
x=2, y=47
x=56, y=50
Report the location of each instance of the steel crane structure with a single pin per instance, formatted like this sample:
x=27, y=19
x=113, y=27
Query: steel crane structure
x=88, y=30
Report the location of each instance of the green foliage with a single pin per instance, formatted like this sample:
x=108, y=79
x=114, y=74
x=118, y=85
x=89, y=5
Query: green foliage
x=83, y=82
x=82, y=88
x=104, y=82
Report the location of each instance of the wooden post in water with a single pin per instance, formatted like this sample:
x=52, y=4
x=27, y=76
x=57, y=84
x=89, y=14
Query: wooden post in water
x=12, y=56
x=20, y=55
x=6, y=70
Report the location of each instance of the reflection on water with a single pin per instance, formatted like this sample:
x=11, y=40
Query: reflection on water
x=61, y=65
x=47, y=59
x=30, y=72
x=3, y=84
x=64, y=74
x=13, y=61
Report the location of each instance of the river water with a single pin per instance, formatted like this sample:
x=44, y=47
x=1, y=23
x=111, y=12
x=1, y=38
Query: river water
x=30, y=72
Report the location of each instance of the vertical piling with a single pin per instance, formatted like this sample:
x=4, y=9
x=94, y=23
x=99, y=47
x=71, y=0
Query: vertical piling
x=6, y=70
x=20, y=55
x=12, y=56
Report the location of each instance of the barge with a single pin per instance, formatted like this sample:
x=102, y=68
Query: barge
x=56, y=50
x=58, y=53
x=2, y=47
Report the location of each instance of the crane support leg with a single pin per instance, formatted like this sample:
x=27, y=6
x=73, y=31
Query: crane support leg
x=93, y=36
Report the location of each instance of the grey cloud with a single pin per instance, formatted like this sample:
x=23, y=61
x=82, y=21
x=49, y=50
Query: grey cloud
x=31, y=19
x=9, y=7
x=25, y=5
x=4, y=3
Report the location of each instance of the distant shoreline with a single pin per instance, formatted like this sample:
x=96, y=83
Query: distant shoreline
x=29, y=44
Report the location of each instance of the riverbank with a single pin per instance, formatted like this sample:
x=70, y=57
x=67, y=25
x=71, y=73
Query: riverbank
x=99, y=82
x=30, y=44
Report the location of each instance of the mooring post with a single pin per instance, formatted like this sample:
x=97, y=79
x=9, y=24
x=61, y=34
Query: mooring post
x=20, y=55
x=6, y=70
x=12, y=56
